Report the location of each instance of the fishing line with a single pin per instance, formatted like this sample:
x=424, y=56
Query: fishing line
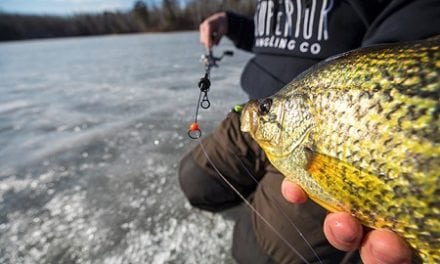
x=250, y=205
x=290, y=221
x=209, y=60
x=194, y=132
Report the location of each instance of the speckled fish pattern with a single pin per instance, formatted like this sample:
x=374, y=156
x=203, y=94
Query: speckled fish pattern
x=360, y=133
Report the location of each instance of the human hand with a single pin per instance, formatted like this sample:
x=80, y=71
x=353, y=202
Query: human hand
x=213, y=29
x=345, y=233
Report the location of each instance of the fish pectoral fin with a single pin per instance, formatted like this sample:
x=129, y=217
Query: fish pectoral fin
x=314, y=190
x=354, y=190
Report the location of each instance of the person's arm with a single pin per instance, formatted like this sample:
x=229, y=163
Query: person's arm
x=405, y=20
x=239, y=29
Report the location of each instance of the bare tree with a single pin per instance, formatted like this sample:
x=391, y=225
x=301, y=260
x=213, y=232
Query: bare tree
x=168, y=16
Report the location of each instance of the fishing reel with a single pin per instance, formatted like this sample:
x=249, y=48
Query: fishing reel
x=209, y=61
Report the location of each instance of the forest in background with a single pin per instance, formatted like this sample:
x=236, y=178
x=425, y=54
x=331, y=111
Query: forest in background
x=167, y=16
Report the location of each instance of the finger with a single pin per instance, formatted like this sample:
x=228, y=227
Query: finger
x=384, y=246
x=205, y=35
x=213, y=29
x=292, y=192
x=215, y=37
x=343, y=231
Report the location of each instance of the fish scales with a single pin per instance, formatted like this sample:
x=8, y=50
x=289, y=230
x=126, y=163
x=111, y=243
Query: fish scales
x=360, y=133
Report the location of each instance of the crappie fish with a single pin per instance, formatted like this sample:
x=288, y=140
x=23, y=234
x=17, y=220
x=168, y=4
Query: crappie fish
x=360, y=133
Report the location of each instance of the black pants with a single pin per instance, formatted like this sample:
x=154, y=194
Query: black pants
x=237, y=157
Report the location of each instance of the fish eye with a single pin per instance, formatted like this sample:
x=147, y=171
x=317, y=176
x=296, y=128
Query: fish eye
x=265, y=105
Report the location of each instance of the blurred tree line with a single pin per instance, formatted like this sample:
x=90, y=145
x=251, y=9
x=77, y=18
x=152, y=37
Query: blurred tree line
x=143, y=17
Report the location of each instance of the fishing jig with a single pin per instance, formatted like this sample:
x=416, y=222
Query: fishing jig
x=209, y=60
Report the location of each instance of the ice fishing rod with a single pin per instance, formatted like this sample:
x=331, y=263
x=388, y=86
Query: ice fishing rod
x=209, y=61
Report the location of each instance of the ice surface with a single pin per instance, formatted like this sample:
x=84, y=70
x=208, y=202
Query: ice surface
x=91, y=132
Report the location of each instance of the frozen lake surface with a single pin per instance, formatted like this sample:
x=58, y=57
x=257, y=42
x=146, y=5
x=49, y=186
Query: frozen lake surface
x=91, y=133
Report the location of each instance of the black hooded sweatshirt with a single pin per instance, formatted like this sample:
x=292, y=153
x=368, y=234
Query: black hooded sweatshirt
x=289, y=36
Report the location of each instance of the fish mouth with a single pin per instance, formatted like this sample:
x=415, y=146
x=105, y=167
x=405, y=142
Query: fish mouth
x=249, y=123
x=249, y=118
